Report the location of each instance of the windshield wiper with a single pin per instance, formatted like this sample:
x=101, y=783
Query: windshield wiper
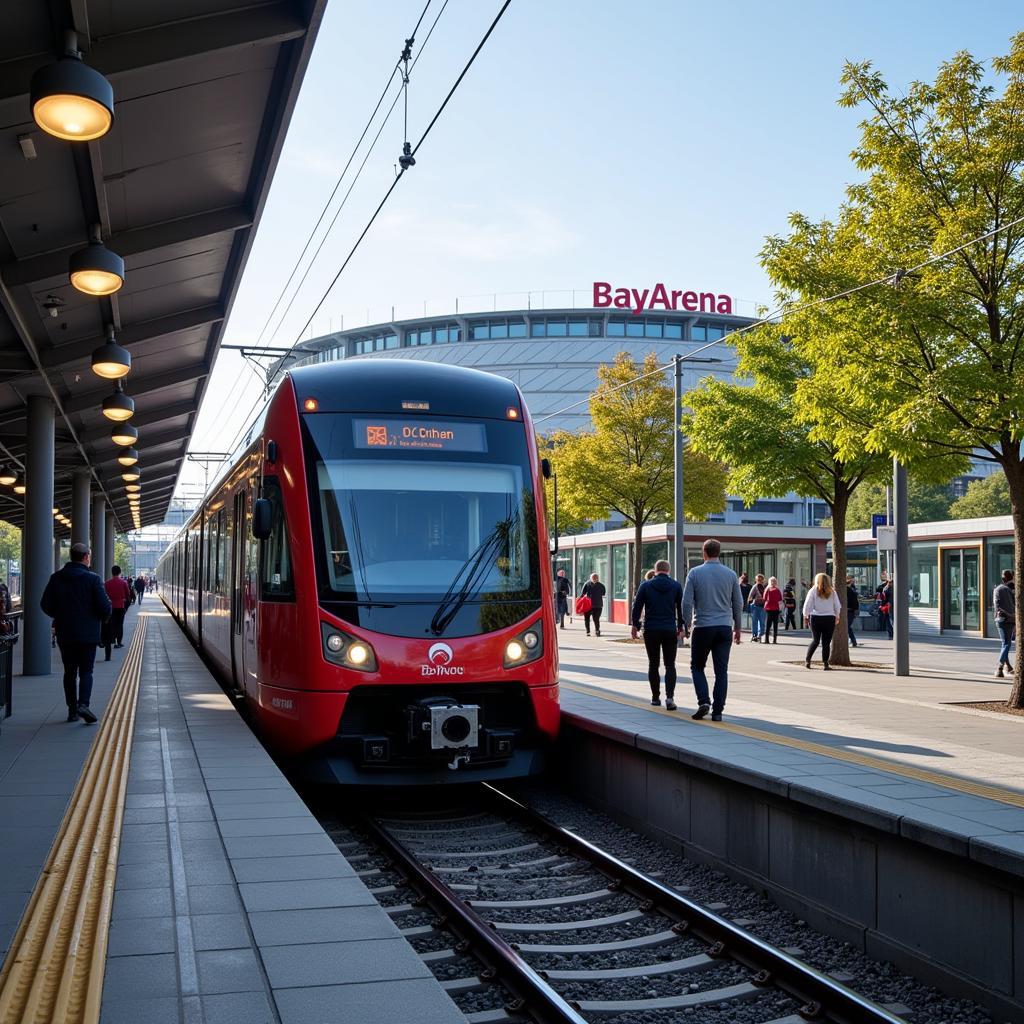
x=474, y=567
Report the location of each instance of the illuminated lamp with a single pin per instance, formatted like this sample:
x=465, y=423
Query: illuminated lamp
x=311, y=405
x=124, y=434
x=56, y=512
x=131, y=474
x=96, y=270
x=111, y=360
x=133, y=488
x=7, y=476
x=118, y=407
x=128, y=457
x=19, y=485
x=71, y=100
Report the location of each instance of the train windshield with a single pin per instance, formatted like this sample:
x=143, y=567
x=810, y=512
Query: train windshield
x=427, y=512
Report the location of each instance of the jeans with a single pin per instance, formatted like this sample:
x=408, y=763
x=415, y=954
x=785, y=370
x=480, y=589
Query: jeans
x=716, y=641
x=1006, y=636
x=117, y=625
x=885, y=622
x=790, y=622
x=772, y=624
x=851, y=618
x=78, y=659
x=822, y=629
x=757, y=617
x=561, y=610
x=595, y=614
x=661, y=644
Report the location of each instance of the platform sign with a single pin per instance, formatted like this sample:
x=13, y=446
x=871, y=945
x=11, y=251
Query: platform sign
x=877, y=519
x=887, y=538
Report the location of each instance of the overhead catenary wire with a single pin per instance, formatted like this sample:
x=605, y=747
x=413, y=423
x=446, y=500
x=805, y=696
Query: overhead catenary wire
x=893, y=278
x=391, y=188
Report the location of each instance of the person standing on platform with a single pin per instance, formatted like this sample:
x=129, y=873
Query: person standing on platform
x=659, y=603
x=140, y=587
x=772, y=610
x=883, y=595
x=789, y=605
x=562, y=592
x=594, y=589
x=78, y=604
x=755, y=600
x=745, y=586
x=713, y=604
x=852, y=608
x=1004, y=604
x=821, y=612
x=120, y=595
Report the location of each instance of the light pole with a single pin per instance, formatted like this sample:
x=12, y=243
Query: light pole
x=679, y=544
x=900, y=599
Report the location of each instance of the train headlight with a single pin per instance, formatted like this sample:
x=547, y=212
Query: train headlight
x=526, y=647
x=347, y=651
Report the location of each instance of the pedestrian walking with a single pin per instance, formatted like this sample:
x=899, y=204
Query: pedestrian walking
x=772, y=610
x=745, y=587
x=713, y=614
x=756, y=602
x=120, y=597
x=852, y=608
x=789, y=604
x=1004, y=603
x=883, y=596
x=78, y=604
x=594, y=590
x=140, y=587
x=659, y=604
x=562, y=592
x=821, y=612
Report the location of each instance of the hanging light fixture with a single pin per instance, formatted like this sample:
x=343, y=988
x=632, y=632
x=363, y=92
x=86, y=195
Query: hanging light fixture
x=7, y=476
x=133, y=488
x=111, y=361
x=128, y=456
x=118, y=406
x=71, y=100
x=19, y=485
x=131, y=474
x=96, y=270
x=124, y=434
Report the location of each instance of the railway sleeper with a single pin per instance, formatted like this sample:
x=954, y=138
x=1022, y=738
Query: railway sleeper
x=690, y=963
x=731, y=993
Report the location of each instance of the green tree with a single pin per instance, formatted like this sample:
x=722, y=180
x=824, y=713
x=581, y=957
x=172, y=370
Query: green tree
x=625, y=465
x=988, y=497
x=123, y=554
x=926, y=503
x=938, y=354
x=10, y=541
x=774, y=444
x=568, y=523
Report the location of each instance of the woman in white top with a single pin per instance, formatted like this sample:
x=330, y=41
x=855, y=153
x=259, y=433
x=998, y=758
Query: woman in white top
x=821, y=612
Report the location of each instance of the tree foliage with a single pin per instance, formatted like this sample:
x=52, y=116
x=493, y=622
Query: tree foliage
x=10, y=541
x=937, y=356
x=926, y=503
x=625, y=464
x=988, y=497
x=123, y=555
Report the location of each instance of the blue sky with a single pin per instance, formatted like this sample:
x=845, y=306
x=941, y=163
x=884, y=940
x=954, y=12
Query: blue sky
x=631, y=143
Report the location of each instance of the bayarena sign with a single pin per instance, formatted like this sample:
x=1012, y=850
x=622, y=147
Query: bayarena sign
x=659, y=297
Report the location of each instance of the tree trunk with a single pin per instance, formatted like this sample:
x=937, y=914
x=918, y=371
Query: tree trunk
x=638, y=564
x=841, y=640
x=1015, y=479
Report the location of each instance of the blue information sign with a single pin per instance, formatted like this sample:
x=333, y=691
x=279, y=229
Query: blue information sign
x=877, y=519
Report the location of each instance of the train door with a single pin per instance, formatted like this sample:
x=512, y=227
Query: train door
x=250, y=619
x=237, y=530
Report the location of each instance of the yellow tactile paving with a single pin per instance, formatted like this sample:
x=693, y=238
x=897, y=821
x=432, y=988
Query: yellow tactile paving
x=54, y=969
x=1006, y=796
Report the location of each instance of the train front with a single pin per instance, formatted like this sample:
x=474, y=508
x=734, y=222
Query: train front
x=431, y=556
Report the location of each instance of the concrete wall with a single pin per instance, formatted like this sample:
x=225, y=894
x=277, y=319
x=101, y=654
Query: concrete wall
x=949, y=921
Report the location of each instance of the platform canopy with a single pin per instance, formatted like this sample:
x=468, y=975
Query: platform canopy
x=203, y=92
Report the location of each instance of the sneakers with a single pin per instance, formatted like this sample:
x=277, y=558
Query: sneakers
x=717, y=716
x=670, y=704
x=701, y=712
x=72, y=714
x=86, y=715
x=655, y=702
x=999, y=673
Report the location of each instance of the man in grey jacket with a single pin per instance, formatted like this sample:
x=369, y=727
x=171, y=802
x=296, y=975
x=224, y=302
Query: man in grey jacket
x=1004, y=605
x=713, y=603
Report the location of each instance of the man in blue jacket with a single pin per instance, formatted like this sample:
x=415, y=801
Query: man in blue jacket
x=76, y=601
x=659, y=602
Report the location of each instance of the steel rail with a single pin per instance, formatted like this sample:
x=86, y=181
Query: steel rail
x=822, y=996
x=538, y=997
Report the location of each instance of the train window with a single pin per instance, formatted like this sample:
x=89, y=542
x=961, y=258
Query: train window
x=276, y=580
x=222, y=551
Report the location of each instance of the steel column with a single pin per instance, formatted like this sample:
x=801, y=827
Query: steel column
x=37, y=535
x=679, y=538
x=901, y=588
x=56, y=553
x=80, y=498
x=98, y=546
x=108, y=536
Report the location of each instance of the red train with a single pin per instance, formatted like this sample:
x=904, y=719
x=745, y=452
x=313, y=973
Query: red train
x=370, y=576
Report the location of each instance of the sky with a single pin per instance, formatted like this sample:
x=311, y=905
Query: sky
x=661, y=140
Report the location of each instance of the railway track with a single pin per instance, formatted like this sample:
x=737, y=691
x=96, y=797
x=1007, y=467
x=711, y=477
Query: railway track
x=498, y=900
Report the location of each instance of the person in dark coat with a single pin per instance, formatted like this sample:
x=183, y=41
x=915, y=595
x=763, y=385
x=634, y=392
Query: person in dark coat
x=140, y=587
x=852, y=608
x=659, y=603
x=594, y=589
x=78, y=604
x=562, y=592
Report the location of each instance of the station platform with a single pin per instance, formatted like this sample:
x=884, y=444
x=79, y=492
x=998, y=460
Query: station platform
x=169, y=872
x=879, y=808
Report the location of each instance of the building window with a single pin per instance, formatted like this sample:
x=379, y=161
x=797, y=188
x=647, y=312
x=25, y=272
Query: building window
x=517, y=329
x=594, y=328
x=653, y=329
x=577, y=328
x=616, y=329
x=634, y=328
x=538, y=329
x=699, y=333
x=556, y=329
x=499, y=330
x=479, y=332
x=673, y=330
x=714, y=333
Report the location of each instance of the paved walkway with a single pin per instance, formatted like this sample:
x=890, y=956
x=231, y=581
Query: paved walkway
x=913, y=721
